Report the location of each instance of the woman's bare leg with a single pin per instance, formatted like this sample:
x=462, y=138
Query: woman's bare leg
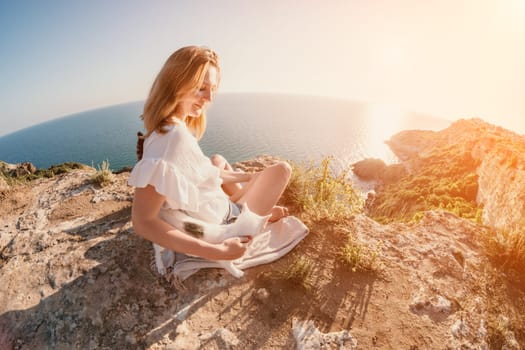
x=221, y=163
x=238, y=193
x=263, y=192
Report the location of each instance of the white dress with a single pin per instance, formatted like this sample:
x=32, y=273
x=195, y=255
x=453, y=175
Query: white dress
x=174, y=164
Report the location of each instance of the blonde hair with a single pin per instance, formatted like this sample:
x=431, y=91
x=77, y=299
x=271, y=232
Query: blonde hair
x=183, y=71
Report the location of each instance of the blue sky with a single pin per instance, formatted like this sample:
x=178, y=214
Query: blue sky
x=448, y=58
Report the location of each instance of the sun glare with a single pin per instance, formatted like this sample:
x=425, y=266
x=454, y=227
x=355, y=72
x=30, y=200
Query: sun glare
x=520, y=4
x=393, y=55
x=382, y=121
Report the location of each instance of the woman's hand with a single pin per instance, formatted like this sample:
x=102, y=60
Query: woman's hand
x=233, y=248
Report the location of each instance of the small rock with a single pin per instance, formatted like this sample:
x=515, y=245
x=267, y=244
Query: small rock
x=186, y=339
x=130, y=338
x=96, y=320
x=262, y=294
x=22, y=169
x=93, y=345
x=51, y=279
x=433, y=306
x=369, y=169
x=459, y=329
x=482, y=330
x=224, y=338
x=308, y=337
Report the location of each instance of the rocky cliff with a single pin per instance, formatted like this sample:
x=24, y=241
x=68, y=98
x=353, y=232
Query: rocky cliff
x=74, y=275
x=495, y=155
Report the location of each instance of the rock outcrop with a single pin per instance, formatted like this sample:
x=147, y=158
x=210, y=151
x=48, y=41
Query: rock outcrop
x=17, y=170
x=495, y=155
x=501, y=179
x=374, y=169
x=74, y=275
x=3, y=183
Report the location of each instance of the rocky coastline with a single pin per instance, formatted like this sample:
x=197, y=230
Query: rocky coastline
x=494, y=158
x=75, y=275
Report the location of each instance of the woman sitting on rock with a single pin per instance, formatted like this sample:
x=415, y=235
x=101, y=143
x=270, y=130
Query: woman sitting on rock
x=174, y=174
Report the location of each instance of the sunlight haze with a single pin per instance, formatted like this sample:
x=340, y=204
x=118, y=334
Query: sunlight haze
x=450, y=59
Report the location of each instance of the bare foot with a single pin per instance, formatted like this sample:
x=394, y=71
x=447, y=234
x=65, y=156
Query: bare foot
x=278, y=212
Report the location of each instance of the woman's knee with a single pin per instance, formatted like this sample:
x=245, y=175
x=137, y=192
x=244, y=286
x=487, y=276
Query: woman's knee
x=287, y=168
x=283, y=169
x=218, y=160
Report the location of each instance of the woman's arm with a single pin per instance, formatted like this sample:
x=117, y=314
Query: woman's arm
x=229, y=176
x=144, y=215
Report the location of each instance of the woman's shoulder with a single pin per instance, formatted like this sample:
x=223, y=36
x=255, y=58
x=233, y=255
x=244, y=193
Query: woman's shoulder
x=170, y=145
x=169, y=133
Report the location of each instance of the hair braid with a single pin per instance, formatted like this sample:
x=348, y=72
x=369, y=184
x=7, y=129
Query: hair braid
x=140, y=145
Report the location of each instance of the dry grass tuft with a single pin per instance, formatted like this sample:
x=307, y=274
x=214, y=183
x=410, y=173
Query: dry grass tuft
x=319, y=194
x=299, y=272
x=360, y=257
x=103, y=176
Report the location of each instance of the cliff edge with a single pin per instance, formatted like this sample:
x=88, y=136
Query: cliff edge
x=495, y=156
x=74, y=275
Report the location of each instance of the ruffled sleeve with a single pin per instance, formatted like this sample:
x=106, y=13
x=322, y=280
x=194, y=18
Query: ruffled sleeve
x=180, y=192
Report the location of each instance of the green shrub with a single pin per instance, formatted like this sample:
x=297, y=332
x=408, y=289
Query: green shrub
x=43, y=173
x=445, y=180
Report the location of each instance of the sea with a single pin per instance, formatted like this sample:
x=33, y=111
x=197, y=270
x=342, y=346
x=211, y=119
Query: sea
x=240, y=127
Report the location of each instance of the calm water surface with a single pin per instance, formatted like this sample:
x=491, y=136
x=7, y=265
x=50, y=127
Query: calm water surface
x=240, y=126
